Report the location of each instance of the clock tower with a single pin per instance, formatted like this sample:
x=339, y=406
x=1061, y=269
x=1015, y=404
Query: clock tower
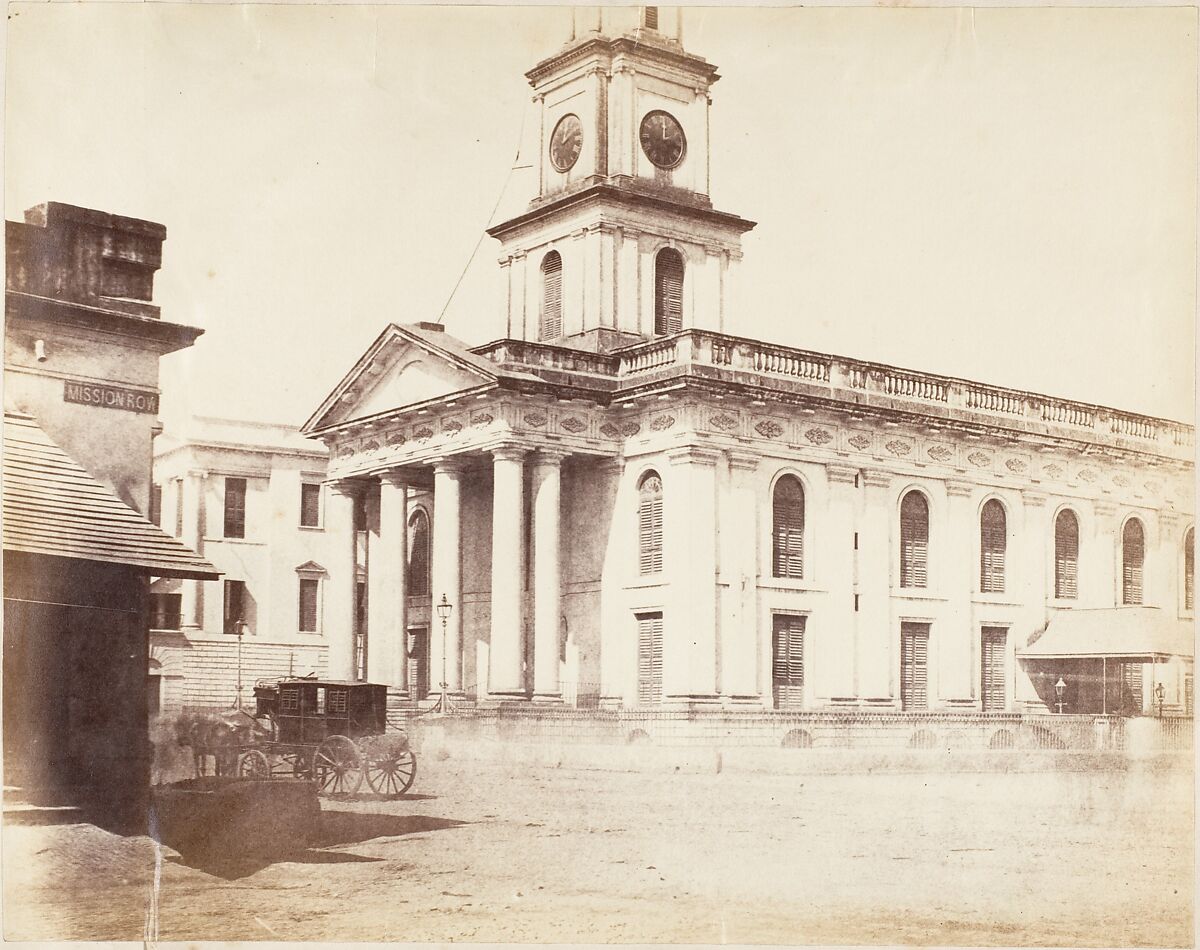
x=621, y=242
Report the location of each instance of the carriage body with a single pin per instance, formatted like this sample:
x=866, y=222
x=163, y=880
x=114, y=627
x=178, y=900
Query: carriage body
x=332, y=731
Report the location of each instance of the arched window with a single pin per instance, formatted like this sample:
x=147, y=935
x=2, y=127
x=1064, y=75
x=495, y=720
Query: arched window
x=650, y=524
x=914, y=540
x=550, y=326
x=1133, y=554
x=418, y=554
x=993, y=539
x=1066, y=555
x=1189, y=569
x=787, y=528
x=668, y=291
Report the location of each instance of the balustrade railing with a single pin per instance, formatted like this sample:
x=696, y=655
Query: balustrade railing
x=1068, y=414
x=995, y=400
x=918, y=387
x=648, y=357
x=1121, y=424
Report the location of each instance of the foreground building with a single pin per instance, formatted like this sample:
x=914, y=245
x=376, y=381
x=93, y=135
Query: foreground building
x=632, y=506
x=81, y=349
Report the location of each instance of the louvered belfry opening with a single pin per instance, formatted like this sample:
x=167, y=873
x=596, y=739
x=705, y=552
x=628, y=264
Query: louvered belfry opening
x=1189, y=570
x=550, y=325
x=992, y=667
x=649, y=659
x=418, y=554
x=668, y=291
x=787, y=532
x=1066, y=555
x=650, y=524
x=787, y=665
x=993, y=540
x=1133, y=554
x=914, y=660
x=914, y=540
x=650, y=18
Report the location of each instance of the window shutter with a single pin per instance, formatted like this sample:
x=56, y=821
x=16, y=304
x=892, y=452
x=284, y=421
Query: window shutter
x=914, y=540
x=418, y=555
x=668, y=292
x=914, y=656
x=1189, y=570
x=650, y=632
x=1133, y=553
x=788, y=528
x=551, y=324
x=235, y=508
x=1066, y=555
x=651, y=18
x=993, y=669
x=650, y=525
x=788, y=661
x=993, y=541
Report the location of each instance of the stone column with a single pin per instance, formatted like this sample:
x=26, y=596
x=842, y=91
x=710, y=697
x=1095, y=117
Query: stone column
x=547, y=574
x=1034, y=576
x=505, y=679
x=1100, y=558
x=876, y=553
x=958, y=578
x=740, y=538
x=447, y=573
x=1164, y=563
x=338, y=619
x=387, y=596
x=191, y=499
x=835, y=559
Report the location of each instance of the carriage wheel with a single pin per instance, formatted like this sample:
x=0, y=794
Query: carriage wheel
x=392, y=775
x=338, y=766
x=254, y=765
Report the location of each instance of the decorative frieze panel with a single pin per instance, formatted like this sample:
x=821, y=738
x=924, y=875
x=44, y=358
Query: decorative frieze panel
x=858, y=440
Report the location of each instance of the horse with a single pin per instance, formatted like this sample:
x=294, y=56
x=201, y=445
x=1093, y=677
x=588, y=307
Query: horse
x=217, y=734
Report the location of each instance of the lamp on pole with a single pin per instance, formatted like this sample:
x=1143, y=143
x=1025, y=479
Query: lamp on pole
x=1059, y=688
x=239, y=631
x=444, y=608
x=1160, y=692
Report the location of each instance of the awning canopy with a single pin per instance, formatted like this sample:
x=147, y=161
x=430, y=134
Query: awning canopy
x=53, y=506
x=1113, y=632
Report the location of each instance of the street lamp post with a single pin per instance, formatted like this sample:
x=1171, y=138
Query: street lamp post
x=1059, y=688
x=1159, y=693
x=444, y=607
x=239, y=630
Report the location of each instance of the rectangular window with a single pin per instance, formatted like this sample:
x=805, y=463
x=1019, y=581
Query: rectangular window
x=337, y=701
x=914, y=658
x=310, y=506
x=360, y=512
x=308, y=604
x=289, y=698
x=165, y=610
x=649, y=668
x=235, y=604
x=787, y=650
x=179, y=507
x=993, y=671
x=156, y=504
x=418, y=662
x=235, y=508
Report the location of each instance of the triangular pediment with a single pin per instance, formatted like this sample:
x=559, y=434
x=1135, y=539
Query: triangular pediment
x=405, y=366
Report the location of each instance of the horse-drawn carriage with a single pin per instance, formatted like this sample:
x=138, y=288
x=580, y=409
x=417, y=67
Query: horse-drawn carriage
x=329, y=731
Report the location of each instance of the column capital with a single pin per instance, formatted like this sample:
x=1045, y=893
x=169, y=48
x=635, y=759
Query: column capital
x=394, y=478
x=346, y=487
x=840, y=474
x=448, y=465
x=1104, y=509
x=743, y=461
x=876, y=478
x=509, y=452
x=1033, y=499
x=199, y=473
x=957, y=489
x=554, y=457
x=693, y=455
x=1167, y=518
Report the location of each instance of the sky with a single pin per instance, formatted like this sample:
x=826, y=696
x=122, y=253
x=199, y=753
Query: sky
x=1006, y=195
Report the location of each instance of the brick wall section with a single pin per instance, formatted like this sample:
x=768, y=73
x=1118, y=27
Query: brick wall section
x=210, y=669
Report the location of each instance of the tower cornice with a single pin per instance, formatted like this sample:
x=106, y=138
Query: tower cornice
x=661, y=51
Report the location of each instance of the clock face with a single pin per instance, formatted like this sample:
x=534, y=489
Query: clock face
x=566, y=142
x=662, y=139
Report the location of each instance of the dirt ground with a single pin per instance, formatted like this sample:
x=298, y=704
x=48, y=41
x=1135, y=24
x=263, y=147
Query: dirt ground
x=481, y=852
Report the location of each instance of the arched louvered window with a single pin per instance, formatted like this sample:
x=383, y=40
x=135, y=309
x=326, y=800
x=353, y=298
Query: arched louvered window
x=550, y=325
x=1189, y=569
x=1133, y=555
x=650, y=524
x=418, y=554
x=914, y=540
x=1066, y=555
x=787, y=528
x=993, y=539
x=668, y=291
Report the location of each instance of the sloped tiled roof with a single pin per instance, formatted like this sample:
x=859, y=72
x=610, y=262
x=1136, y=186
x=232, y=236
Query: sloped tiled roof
x=53, y=506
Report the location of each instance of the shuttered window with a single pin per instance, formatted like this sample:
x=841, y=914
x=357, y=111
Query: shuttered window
x=418, y=663
x=668, y=291
x=418, y=554
x=156, y=504
x=1133, y=554
x=993, y=539
x=235, y=508
x=235, y=605
x=308, y=604
x=550, y=327
x=650, y=18
x=649, y=667
x=787, y=669
x=914, y=658
x=914, y=540
x=1066, y=555
x=650, y=524
x=992, y=664
x=787, y=528
x=1189, y=570
x=310, y=506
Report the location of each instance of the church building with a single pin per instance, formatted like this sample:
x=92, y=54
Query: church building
x=626, y=504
